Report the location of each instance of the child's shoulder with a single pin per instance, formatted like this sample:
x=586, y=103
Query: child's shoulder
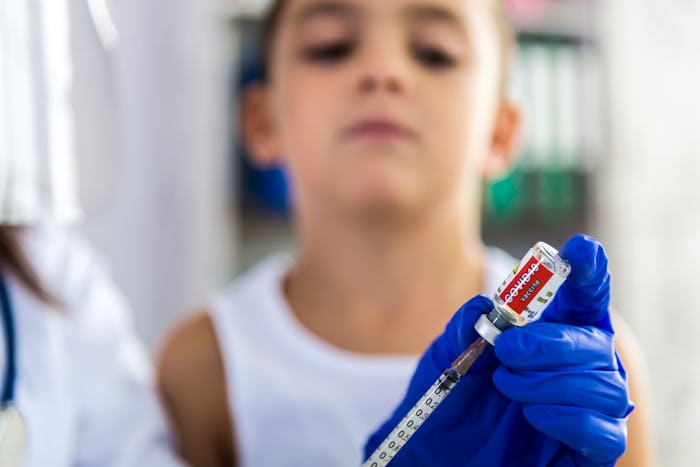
x=191, y=383
x=193, y=342
x=191, y=363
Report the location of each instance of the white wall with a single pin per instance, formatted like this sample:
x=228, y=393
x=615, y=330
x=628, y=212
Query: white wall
x=151, y=118
x=647, y=198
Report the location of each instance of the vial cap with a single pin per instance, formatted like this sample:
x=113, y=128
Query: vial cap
x=487, y=329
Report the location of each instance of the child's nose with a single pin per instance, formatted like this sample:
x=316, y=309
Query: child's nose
x=373, y=82
x=383, y=67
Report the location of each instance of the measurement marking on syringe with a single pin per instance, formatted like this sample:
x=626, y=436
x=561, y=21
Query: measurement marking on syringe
x=413, y=420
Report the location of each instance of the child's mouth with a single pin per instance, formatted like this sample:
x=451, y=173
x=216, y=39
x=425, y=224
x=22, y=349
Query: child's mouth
x=380, y=129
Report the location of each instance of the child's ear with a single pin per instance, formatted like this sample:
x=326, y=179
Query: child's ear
x=504, y=144
x=256, y=127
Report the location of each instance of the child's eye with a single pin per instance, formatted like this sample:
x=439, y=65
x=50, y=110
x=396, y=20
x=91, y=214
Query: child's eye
x=433, y=57
x=328, y=53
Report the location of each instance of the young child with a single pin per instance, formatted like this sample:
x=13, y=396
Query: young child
x=388, y=116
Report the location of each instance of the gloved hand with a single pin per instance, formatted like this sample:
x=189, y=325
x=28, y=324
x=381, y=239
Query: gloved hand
x=551, y=393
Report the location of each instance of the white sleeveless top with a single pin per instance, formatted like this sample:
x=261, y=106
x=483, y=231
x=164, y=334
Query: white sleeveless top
x=296, y=399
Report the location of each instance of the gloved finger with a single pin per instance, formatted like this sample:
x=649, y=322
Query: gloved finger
x=599, y=390
x=584, y=298
x=543, y=346
x=596, y=436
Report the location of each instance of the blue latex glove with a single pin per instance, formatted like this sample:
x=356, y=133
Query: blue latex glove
x=551, y=393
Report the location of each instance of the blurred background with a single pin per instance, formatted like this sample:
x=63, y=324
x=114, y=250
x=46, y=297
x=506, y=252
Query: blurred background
x=144, y=95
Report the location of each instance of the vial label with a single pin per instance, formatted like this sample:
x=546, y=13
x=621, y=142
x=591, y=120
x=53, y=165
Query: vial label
x=530, y=286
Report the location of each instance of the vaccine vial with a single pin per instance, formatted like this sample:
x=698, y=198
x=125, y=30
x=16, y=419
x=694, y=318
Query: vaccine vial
x=526, y=292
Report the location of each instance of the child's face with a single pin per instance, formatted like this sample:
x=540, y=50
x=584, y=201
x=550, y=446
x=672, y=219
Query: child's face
x=386, y=105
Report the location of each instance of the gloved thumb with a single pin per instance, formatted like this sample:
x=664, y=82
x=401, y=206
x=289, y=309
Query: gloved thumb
x=584, y=298
x=459, y=332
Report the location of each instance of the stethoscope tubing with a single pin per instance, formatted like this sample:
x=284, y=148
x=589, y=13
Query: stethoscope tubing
x=8, y=390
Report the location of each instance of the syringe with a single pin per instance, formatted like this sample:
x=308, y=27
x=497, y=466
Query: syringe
x=521, y=298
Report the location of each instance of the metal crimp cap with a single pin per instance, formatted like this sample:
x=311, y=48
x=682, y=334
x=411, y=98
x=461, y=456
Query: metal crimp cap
x=487, y=329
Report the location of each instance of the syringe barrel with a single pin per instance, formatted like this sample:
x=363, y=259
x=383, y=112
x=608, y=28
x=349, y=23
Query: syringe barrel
x=413, y=419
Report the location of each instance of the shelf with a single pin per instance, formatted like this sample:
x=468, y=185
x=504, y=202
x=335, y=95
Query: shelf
x=572, y=19
x=240, y=9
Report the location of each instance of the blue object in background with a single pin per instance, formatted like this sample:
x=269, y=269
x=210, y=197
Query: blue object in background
x=268, y=188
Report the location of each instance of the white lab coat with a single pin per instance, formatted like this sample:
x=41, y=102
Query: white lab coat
x=84, y=382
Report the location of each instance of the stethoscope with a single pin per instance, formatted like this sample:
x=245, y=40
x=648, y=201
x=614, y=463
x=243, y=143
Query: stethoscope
x=12, y=428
